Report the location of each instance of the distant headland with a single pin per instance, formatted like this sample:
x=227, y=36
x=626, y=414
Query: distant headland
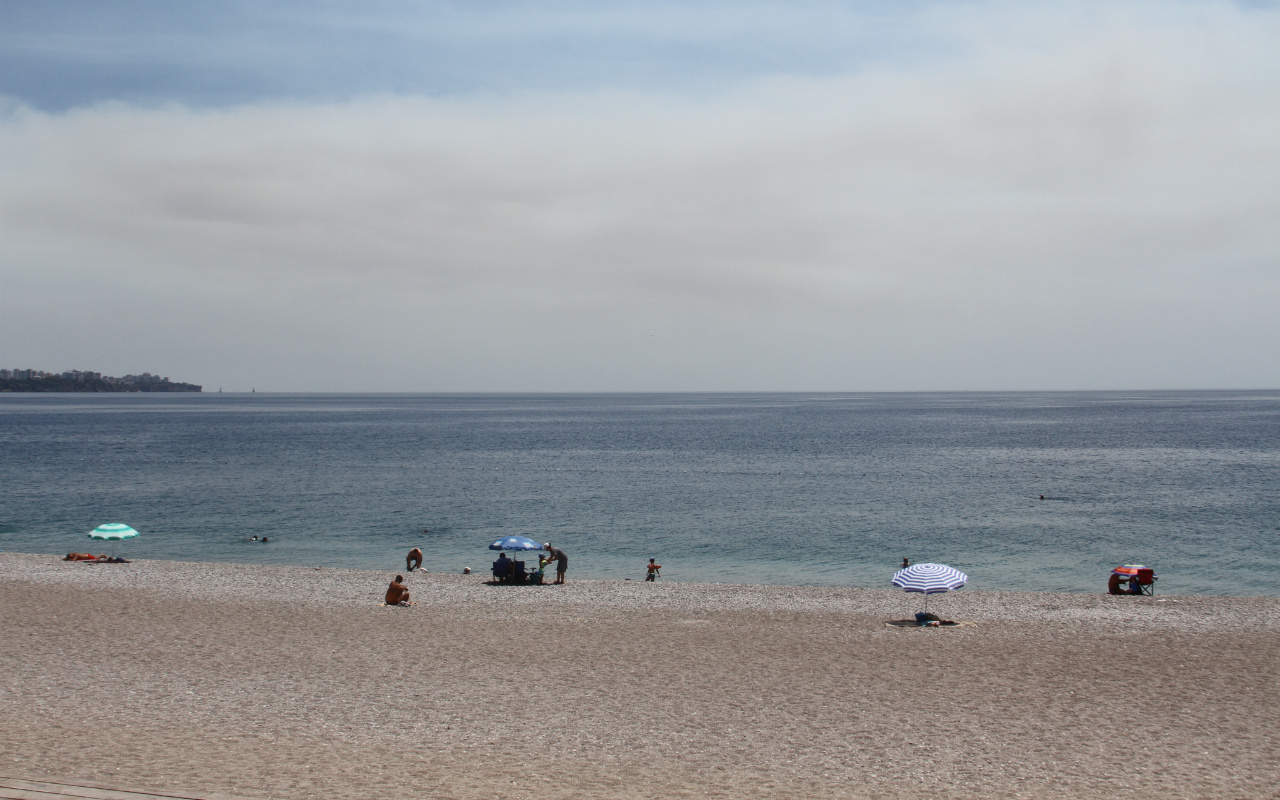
x=34, y=380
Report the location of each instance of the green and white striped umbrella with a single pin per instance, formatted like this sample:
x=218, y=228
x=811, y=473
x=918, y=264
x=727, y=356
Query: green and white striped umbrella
x=113, y=532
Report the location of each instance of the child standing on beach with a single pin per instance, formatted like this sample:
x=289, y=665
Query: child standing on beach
x=653, y=571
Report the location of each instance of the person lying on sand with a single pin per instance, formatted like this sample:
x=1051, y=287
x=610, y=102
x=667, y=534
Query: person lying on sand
x=932, y=620
x=397, y=593
x=413, y=560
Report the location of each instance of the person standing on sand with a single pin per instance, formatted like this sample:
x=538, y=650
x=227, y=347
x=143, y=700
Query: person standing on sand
x=397, y=594
x=413, y=560
x=558, y=556
x=653, y=571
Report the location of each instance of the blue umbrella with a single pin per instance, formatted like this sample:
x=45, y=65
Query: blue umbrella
x=929, y=579
x=515, y=543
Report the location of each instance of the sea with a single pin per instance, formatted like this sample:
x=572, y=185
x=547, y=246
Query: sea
x=1021, y=491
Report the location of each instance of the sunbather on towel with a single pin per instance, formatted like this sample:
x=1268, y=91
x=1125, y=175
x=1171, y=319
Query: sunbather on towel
x=932, y=620
x=397, y=594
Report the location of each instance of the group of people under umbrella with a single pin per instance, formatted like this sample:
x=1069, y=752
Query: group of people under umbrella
x=507, y=570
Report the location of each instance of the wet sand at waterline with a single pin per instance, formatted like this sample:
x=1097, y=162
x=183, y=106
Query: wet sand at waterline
x=295, y=683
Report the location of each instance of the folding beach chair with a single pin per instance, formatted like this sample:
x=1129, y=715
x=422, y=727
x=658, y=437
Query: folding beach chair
x=502, y=569
x=1147, y=581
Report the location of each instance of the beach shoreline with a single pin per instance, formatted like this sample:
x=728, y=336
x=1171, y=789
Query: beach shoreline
x=293, y=682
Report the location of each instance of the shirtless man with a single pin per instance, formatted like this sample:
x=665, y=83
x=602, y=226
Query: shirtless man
x=413, y=560
x=397, y=594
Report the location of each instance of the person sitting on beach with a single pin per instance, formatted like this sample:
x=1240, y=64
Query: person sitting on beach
x=397, y=593
x=558, y=556
x=413, y=560
x=1113, y=585
x=502, y=567
x=1134, y=586
x=653, y=571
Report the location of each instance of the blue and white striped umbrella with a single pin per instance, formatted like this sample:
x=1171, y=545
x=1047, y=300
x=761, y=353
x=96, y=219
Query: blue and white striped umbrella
x=930, y=578
x=515, y=543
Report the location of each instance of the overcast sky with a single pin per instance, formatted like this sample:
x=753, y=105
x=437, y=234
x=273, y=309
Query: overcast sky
x=600, y=196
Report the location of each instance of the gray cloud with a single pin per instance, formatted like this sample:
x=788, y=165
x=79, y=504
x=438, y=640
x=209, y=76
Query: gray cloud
x=1088, y=204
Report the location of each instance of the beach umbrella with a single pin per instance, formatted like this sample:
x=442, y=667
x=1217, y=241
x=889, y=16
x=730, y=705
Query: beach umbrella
x=1144, y=575
x=929, y=579
x=113, y=532
x=515, y=543
x=1129, y=570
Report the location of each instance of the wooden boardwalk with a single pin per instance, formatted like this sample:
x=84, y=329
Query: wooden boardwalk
x=22, y=789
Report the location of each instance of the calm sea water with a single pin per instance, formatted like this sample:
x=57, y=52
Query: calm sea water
x=771, y=488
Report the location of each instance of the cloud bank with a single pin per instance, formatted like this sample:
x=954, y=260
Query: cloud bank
x=1071, y=201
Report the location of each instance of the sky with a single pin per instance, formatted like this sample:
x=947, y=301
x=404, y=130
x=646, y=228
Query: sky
x=611, y=196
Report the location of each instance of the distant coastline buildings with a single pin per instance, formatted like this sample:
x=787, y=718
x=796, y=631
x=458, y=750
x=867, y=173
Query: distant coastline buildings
x=36, y=380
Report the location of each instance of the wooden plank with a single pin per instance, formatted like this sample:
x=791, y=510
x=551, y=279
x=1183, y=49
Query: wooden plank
x=23, y=789
x=24, y=794
x=75, y=790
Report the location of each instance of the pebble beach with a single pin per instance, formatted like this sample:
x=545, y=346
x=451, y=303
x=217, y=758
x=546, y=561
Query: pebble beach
x=294, y=682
